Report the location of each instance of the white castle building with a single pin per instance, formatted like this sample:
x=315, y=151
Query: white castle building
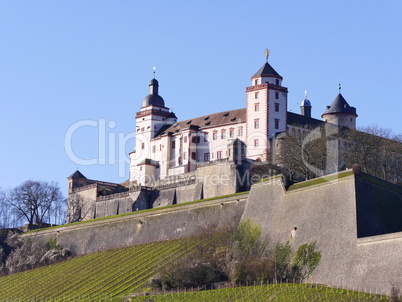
x=168, y=147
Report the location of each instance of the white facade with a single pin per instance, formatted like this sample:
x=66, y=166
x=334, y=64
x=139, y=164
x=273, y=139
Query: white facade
x=166, y=147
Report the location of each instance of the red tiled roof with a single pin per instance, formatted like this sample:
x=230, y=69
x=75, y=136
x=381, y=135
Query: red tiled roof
x=230, y=117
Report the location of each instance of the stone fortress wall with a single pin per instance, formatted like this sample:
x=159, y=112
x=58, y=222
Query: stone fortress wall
x=209, y=180
x=335, y=214
x=355, y=219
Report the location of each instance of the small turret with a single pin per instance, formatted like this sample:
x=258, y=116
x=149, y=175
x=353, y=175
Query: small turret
x=305, y=106
x=340, y=113
x=75, y=180
x=171, y=117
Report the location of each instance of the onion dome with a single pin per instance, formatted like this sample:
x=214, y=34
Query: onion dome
x=153, y=98
x=305, y=106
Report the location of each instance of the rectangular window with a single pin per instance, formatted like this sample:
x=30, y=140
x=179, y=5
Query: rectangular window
x=153, y=149
x=256, y=124
x=219, y=155
x=193, y=155
x=276, y=123
x=185, y=139
x=231, y=133
x=276, y=107
x=276, y=95
x=257, y=107
x=142, y=145
x=255, y=82
x=173, y=145
x=240, y=131
x=256, y=95
x=205, y=137
x=206, y=156
x=214, y=136
x=256, y=143
x=223, y=135
x=277, y=82
x=185, y=155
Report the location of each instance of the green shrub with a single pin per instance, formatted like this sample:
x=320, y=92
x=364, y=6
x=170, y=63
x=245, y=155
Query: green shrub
x=282, y=259
x=305, y=261
x=53, y=244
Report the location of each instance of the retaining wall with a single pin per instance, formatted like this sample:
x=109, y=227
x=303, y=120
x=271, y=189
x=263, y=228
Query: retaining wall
x=341, y=215
x=326, y=213
x=156, y=225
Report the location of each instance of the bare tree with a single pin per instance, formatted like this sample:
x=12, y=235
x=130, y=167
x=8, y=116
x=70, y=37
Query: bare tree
x=8, y=218
x=377, y=150
x=78, y=209
x=299, y=153
x=33, y=200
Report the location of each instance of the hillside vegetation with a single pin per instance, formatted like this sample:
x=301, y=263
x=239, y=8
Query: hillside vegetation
x=285, y=292
x=111, y=273
x=114, y=275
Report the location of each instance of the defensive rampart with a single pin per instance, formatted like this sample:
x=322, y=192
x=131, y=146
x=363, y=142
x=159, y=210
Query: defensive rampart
x=148, y=226
x=354, y=218
x=327, y=213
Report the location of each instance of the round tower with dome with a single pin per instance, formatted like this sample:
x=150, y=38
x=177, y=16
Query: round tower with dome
x=340, y=112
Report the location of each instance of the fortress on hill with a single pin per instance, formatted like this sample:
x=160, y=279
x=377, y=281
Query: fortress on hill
x=178, y=161
x=355, y=218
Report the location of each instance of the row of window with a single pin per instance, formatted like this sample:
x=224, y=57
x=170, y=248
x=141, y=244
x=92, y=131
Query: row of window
x=257, y=123
x=196, y=139
x=276, y=82
x=257, y=107
x=223, y=133
x=257, y=94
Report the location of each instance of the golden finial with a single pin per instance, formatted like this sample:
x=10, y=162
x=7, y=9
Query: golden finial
x=266, y=54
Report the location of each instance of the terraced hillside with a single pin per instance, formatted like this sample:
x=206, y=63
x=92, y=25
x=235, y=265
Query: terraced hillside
x=114, y=275
x=262, y=293
x=110, y=274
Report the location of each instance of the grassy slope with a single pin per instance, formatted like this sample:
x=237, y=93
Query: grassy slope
x=263, y=293
x=109, y=273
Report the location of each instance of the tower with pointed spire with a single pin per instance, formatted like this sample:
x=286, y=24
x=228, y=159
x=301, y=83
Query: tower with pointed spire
x=340, y=112
x=266, y=106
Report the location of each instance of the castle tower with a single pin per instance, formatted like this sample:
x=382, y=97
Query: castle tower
x=340, y=113
x=266, y=105
x=75, y=180
x=149, y=120
x=305, y=106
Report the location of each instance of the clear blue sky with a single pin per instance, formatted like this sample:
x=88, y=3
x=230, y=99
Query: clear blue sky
x=62, y=62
